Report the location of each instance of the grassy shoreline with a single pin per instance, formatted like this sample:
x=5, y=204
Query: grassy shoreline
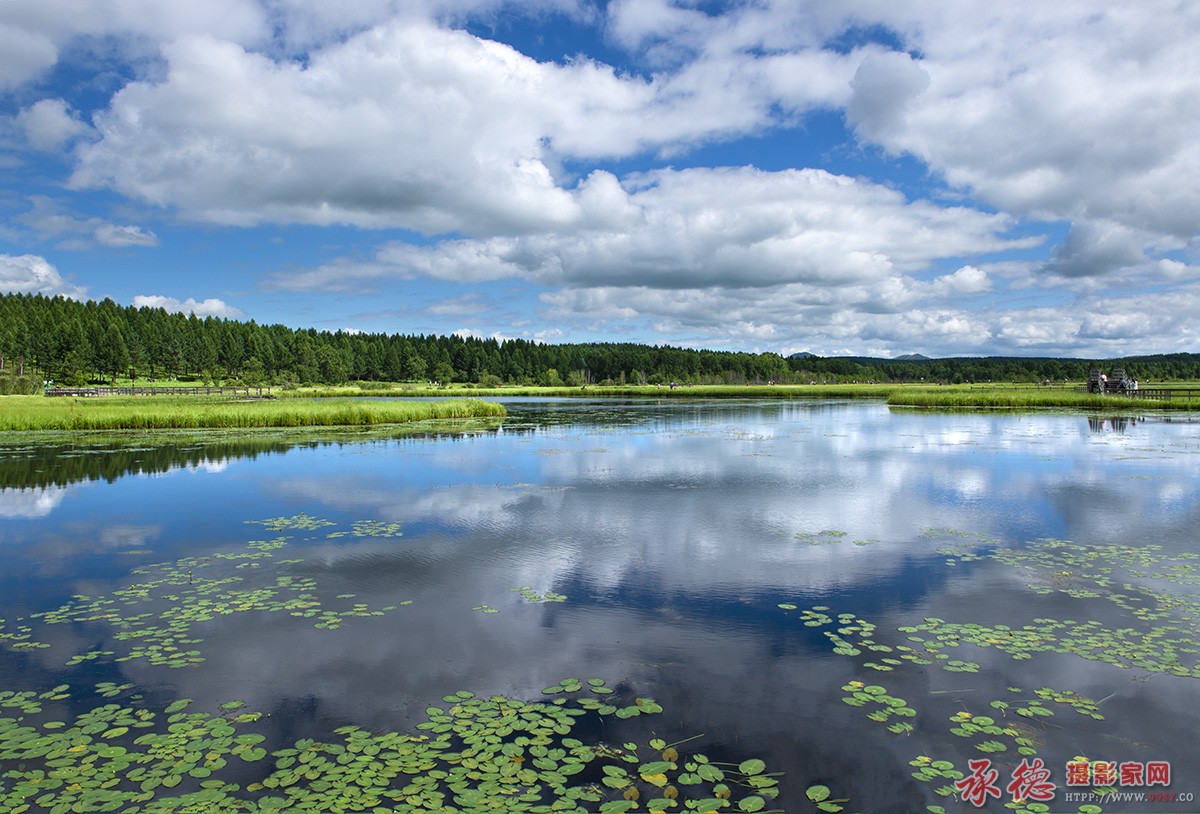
x=375, y=406
x=965, y=396
x=38, y=413
x=1013, y=399
x=649, y=391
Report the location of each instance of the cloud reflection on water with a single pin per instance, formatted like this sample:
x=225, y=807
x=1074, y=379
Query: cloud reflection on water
x=675, y=539
x=30, y=503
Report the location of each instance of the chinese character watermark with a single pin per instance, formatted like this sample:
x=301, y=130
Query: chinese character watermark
x=1030, y=781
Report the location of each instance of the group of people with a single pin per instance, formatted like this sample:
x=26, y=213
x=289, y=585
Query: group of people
x=1126, y=384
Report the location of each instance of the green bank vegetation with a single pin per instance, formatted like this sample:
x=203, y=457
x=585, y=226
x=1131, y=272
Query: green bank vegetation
x=710, y=391
x=990, y=396
x=34, y=413
x=1000, y=397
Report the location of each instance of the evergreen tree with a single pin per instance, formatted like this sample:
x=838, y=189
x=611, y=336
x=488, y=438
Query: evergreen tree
x=113, y=353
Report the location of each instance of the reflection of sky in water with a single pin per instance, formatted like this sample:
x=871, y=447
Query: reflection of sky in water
x=673, y=530
x=32, y=502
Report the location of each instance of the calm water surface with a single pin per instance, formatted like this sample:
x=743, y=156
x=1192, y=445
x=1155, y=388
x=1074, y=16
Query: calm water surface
x=675, y=531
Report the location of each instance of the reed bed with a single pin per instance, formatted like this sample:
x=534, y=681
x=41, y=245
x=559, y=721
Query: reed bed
x=1015, y=398
x=999, y=395
x=719, y=391
x=34, y=413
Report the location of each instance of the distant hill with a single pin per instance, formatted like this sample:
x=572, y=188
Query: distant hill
x=865, y=360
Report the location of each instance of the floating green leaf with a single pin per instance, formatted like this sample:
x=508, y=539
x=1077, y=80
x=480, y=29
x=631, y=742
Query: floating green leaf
x=817, y=793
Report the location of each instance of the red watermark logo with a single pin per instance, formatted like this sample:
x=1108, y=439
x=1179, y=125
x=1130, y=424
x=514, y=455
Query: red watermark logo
x=1031, y=779
x=1109, y=773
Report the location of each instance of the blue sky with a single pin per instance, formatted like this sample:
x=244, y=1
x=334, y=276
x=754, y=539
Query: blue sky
x=836, y=176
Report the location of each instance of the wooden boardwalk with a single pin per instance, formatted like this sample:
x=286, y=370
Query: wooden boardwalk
x=223, y=392
x=1165, y=393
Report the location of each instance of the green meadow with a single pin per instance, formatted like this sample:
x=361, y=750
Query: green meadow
x=34, y=413
x=963, y=396
x=702, y=391
x=1001, y=397
x=365, y=405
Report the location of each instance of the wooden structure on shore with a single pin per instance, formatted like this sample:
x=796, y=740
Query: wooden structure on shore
x=222, y=392
x=1118, y=383
x=1114, y=382
x=1167, y=393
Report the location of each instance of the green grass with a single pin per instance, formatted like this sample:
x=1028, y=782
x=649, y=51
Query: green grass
x=999, y=395
x=354, y=411
x=1009, y=397
x=35, y=413
x=649, y=391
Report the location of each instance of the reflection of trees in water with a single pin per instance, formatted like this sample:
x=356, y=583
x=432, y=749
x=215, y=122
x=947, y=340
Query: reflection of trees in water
x=587, y=414
x=64, y=464
x=59, y=464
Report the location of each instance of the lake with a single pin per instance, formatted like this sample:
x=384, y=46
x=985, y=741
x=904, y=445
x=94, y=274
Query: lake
x=865, y=600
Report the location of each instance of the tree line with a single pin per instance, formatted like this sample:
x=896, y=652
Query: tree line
x=75, y=343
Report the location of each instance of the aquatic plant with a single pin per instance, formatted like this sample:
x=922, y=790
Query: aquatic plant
x=161, y=616
x=472, y=755
x=824, y=537
x=820, y=795
x=1160, y=636
x=529, y=595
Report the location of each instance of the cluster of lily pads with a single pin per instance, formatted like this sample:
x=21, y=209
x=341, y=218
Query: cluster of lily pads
x=369, y=528
x=1085, y=571
x=860, y=694
x=825, y=537
x=640, y=706
x=1161, y=637
x=19, y=636
x=989, y=735
x=854, y=636
x=474, y=754
x=828, y=537
x=529, y=595
x=969, y=546
x=1003, y=736
x=159, y=616
x=296, y=522
x=821, y=796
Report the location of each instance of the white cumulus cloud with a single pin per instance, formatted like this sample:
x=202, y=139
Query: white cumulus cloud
x=110, y=234
x=211, y=307
x=32, y=274
x=50, y=123
x=730, y=226
x=1072, y=118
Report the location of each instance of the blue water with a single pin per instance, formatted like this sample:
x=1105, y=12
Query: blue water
x=673, y=529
